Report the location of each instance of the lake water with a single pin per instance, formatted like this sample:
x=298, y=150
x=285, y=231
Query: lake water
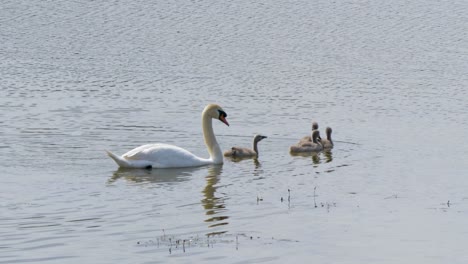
x=81, y=77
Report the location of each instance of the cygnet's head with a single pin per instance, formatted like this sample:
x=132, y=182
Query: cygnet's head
x=258, y=138
x=314, y=125
x=328, y=131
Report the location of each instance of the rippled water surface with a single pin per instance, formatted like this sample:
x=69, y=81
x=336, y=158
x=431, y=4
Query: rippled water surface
x=81, y=77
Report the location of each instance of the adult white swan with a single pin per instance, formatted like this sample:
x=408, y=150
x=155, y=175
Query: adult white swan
x=169, y=156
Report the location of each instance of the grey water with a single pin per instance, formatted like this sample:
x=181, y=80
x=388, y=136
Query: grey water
x=81, y=77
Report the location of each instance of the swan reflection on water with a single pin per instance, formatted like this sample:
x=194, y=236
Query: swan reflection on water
x=213, y=204
x=154, y=175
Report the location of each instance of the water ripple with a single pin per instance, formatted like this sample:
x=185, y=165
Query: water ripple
x=80, y=77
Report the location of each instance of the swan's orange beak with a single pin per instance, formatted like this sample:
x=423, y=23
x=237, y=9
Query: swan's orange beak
x=223, y=119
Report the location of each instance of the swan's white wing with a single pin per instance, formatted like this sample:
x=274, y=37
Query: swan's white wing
x=137, y=152
x=164, y=156
x=153, y=151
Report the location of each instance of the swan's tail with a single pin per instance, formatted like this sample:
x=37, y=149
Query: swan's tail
x=120, y=161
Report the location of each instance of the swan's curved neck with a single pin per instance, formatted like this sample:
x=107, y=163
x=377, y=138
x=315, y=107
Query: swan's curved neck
x=210, y=140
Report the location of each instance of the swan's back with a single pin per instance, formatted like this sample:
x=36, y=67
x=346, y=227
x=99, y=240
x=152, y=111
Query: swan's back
x=163, y=156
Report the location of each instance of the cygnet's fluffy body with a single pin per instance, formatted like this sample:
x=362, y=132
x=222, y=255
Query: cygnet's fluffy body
x=241, y=152
x=309, y=138
x=311, y=146
x=327, y=142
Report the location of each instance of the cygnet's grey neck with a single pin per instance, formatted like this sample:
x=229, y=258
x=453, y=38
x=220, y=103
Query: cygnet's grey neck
x=255, y=147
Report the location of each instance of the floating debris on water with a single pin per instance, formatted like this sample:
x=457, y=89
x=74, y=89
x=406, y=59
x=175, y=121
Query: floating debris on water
x=174, y=245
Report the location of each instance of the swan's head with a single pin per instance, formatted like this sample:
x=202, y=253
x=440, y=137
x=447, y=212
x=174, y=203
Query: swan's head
x=314, y=125
x=216, y=112
x=258, y=138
